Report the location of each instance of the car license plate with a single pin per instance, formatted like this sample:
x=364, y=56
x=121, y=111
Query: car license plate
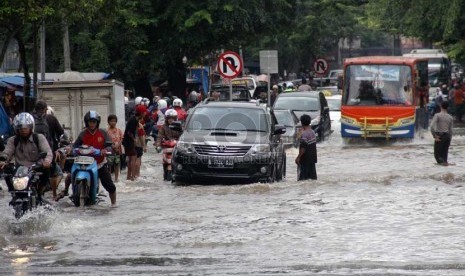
x=220, y=163
x=85, y=160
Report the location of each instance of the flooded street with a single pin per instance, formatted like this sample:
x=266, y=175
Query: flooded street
x=375, y=209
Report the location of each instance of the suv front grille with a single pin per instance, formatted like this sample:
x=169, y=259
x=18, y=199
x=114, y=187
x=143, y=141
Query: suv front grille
x=222, y=150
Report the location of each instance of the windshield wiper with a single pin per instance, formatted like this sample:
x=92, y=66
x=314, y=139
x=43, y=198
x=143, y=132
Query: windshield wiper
x=254, y=130
x=223, y=129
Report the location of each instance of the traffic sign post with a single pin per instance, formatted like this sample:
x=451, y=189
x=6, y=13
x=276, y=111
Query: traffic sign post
x=229, y=66
x=269, y=65
x=321, y=68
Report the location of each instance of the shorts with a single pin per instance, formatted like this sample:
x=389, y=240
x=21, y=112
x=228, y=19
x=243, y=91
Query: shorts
x=55, y=170
x=68, y=164
x=113, y=159
x=139, y=151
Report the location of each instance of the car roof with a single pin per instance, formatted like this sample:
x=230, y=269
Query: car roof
x=251, y=105
x=310, y=94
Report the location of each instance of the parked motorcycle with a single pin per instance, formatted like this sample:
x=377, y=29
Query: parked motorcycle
x=84, y=176
x=25, y=195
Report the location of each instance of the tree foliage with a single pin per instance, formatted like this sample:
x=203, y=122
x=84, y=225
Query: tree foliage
x=435, y=22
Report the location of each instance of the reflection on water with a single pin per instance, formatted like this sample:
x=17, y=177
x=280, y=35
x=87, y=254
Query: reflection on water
x=376, y=209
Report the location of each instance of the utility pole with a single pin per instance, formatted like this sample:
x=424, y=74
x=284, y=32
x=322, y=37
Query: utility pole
x=42, y=51
x=66, y=54
x=35, y=56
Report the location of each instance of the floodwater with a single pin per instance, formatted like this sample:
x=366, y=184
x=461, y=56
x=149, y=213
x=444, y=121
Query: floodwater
x=376, y=209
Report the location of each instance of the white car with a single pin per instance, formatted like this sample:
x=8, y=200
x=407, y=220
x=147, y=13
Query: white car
x=334, y=104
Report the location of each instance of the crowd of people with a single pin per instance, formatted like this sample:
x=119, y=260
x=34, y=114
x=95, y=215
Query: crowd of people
x=40, y=131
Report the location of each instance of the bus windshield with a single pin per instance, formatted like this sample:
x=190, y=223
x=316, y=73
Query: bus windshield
x=372, y=84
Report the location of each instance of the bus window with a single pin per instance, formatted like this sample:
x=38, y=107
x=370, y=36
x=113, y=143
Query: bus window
x=378, y=84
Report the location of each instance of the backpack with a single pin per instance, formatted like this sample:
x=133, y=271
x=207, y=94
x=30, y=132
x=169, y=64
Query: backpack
x=41, y=127
x=35, y=137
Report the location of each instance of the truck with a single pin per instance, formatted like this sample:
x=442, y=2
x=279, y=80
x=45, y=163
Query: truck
x=70, y=100
x=439, y=65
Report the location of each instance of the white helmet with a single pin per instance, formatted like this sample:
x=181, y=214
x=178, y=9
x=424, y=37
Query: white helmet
x=162, y=104
x=177, y=102
x=289, y=84
x=171, y=113
x=23, y=120
x=50, y=111
x=146, y=101
x=138, y=100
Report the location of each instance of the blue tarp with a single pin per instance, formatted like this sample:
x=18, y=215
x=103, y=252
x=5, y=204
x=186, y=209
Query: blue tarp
x=13, y=80
x=5, y=127
x=196, y=73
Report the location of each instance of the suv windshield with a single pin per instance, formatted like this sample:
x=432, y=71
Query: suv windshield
x=228, y=119
x=297, y=103
x=284, y=118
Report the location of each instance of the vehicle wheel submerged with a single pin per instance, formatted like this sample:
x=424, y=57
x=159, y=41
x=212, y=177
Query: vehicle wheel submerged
x=18, y=210
x=80, y=197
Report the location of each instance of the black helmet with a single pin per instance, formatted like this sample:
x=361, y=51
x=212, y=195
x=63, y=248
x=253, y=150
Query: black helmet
x=193, y=97
x=64, y=140
x=92, y=115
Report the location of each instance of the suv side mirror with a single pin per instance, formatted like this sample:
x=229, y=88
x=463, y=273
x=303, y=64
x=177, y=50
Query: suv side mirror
x=278, y=130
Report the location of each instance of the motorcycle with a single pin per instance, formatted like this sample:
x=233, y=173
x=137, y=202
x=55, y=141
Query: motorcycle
x=25, y=195
x=84, y=176
x=168, y=148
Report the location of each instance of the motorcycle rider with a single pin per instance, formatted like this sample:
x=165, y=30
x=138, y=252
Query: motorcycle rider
x=182, y=114
x=166, y=133
x=25, y=148
x=98, y=138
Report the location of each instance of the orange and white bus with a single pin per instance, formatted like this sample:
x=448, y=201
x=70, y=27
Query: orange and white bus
x=380, y=96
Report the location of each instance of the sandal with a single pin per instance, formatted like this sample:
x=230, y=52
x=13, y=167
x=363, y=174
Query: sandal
x=61, y=195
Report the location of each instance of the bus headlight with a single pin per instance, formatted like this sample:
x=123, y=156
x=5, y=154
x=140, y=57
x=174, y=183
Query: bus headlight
x=348, y=121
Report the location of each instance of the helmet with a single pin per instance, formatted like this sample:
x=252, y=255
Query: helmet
x=141, y=110
x=162, y=104
x=50, y=110
x=193, y=97
x=171, y=113
x=64, y=139
x=145, y=101
x=168, y=101
x=91, y=115
x=23, y=120
x=177, y=102
x=289, y=84
x=138, y=100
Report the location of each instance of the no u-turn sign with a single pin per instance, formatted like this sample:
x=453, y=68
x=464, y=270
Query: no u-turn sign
x=230, y=65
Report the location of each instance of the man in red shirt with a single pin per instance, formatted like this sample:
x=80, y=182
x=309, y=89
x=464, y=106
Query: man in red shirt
x=98, y=138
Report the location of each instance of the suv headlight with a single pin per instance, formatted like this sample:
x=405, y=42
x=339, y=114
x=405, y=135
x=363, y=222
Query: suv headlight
x=20, y=183
x=261, y=148
x=185, y=147
x=316, y=121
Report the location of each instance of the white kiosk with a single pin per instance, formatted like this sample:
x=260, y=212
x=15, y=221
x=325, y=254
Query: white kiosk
x=73, y=95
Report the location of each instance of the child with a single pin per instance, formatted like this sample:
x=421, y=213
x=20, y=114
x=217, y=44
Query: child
x=116, y=136
x=307, y=157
